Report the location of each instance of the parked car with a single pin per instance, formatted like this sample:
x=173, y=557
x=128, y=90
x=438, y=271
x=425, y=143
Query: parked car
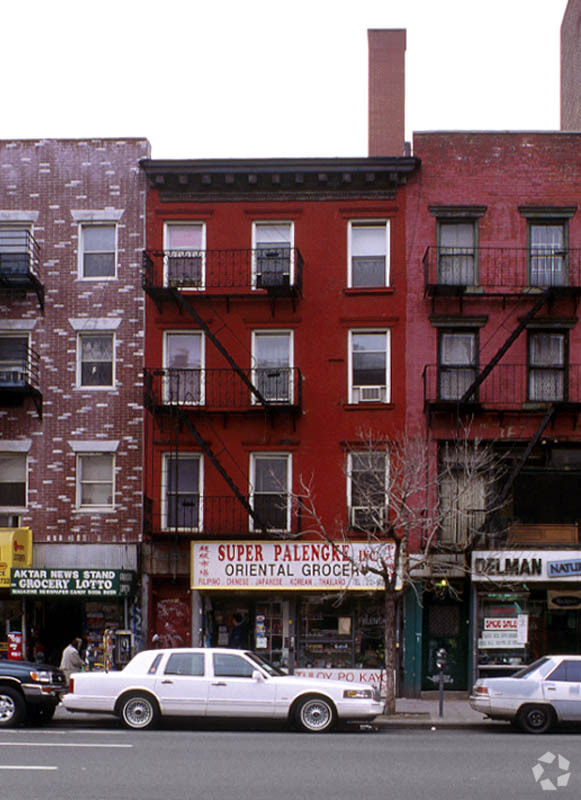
x=535, y=698
x=217, y=682
x=28, y=692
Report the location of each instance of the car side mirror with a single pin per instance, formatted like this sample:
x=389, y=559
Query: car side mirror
x=257, y=675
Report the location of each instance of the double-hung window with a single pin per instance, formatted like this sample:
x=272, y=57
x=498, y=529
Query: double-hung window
x=547, y=366
x=98, y=251
x=272, y=362
x=457, y=253
x=12, y=481
x=367, y=488
x=96, y=359
x=14, y=360
x=184, y=361
x=457, y=363
x=95, y=480
x=270, y=485
x=462, y=498
x=182, y=492
x=272, y=244
x=548, y=253
x=368, y=254
x=15, y=250
x=369, y=366
x=185, y=254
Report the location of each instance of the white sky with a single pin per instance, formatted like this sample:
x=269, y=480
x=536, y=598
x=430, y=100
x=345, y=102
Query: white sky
x=263, y=78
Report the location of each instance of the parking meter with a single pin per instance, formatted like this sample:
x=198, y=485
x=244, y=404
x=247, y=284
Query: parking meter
x=441, y=659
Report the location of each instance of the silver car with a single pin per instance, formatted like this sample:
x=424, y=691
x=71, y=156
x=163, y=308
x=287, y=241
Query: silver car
x=535, y=698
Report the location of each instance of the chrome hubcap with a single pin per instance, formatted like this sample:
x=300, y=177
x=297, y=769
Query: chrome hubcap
x=7, y=708
x=138, y=712
x=316, y=715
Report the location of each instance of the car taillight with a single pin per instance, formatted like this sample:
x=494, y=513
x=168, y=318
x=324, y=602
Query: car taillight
x=71, y=685
x=481, y=689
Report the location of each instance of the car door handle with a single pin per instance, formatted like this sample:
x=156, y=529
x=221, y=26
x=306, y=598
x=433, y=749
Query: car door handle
x=551, y=688
x=219, y=683
x=167, y=681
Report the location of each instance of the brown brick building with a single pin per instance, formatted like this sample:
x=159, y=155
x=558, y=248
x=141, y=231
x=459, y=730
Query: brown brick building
x=71, y=339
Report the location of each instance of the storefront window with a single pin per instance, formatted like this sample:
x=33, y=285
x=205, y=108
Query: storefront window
x=503, y=633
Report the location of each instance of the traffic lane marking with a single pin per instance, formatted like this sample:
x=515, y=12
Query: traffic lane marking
x=63, y=744
x=21, y=767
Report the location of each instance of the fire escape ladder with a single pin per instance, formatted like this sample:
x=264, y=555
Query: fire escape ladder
x=185, y=420
x=184, y=305
x=471, y=391
x=528, y=450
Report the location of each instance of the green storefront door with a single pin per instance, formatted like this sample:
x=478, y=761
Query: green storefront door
x=445, y=626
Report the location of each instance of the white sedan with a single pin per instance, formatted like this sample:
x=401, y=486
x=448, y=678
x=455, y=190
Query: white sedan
x=217, y=682
x=536, y=697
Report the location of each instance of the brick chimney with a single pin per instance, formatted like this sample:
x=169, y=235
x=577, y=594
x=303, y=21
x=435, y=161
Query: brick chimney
x=571, y=67
x=386, y=92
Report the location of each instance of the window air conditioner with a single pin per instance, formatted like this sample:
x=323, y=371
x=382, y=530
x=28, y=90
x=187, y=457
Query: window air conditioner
x=371, y=393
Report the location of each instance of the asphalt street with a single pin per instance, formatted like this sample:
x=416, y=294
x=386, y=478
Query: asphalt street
x=101, y=761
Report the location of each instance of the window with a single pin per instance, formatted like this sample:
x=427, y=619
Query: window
x=548, y=253
x=184, y=256
x=272, y=359
x=185, y=664
x=184, y=358
x=12, y=480
x=272, y=262
x=227, y=665
x=547, y=366
x=96, y=359
x=182, y=492
x=367, y=484
x=270, y=477
x=15, y=250
x=14, y=361
x=95, y=480
x=457, y=253
x=368, y=254
x=462, y=498
x=369, y=366
x=98, y=251
x=458, y=362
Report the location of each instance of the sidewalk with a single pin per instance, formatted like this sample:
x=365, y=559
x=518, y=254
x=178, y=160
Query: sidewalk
x=424, y=711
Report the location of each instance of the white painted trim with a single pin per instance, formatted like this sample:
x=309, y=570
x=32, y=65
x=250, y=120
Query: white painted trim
x=97, y=215
x=369, y=223
x=94, y=445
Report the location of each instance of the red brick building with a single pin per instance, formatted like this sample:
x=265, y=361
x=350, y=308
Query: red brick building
x=71, y=416
x=494, y=279
x=275, y=332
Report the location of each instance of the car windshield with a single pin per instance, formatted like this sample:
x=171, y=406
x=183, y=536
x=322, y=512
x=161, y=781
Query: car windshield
x=538, y=669
x=264, y=664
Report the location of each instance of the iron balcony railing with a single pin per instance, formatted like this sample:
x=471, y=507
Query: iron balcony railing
x=20, y=370
x=220, y=516
x=507, y=385
x=223, y=389
x=19, y=254
x=277, y=270
x=500, y=270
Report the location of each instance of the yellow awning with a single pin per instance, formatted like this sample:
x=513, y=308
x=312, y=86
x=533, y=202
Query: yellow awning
x=15, y=551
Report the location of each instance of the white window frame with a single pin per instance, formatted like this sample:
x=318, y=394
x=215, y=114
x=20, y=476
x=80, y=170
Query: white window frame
x=254, y=457
x=79, y=456
x=369, y=223
x=256, y=224
x=181, y=456
x=382, y=393
x=166, y=366
x=101, y=387
x=85, y=225
x=255, y=375
x=185, y=223
x=350, y=472
x=16, y=510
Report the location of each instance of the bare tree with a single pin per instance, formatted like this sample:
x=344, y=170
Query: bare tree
x=417, y=522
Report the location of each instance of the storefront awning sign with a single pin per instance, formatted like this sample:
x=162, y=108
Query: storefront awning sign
x=285, y=565
x=526, y=565
x=73, y=582
x=15, y=551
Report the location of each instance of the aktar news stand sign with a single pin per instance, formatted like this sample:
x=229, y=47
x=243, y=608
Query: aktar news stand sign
x=285, y=565
x=73, y=582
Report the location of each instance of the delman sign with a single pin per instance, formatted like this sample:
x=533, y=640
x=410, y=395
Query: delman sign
x=525, y=565
x=285, y=565
x=77, y=582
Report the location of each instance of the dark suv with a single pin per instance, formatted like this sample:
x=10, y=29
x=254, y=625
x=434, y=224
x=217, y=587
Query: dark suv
x=28, y=692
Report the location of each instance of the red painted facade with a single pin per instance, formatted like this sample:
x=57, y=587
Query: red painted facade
x=319, y=200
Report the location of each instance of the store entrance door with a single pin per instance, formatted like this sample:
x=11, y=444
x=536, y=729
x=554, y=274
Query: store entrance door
x=445, y=627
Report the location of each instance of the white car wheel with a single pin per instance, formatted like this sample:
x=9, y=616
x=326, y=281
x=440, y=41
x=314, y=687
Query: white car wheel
x=138, y=711
x=12, y=708
x=315, y=714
